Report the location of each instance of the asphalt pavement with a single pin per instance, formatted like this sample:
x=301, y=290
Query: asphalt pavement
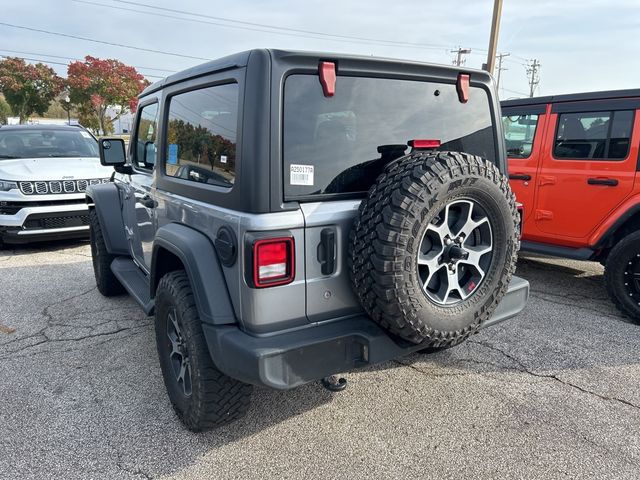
x=553, y=393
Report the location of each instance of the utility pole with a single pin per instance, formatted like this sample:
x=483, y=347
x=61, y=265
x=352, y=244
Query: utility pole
x=493, y=37
x=459, y=61
x=533, y=71
x=500, y=56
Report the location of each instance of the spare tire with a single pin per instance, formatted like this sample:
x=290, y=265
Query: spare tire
x=434, y=246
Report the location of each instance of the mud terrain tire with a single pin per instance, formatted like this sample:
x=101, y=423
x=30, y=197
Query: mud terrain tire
x=409, y=289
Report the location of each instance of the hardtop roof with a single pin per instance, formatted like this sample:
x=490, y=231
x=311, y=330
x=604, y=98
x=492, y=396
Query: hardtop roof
x=241, y=59
x=572, y=97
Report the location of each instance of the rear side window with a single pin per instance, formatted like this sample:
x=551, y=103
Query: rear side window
x=341, y=144
x=201, y=135
x=593, y=135
x=519, y=132
x=146, y=137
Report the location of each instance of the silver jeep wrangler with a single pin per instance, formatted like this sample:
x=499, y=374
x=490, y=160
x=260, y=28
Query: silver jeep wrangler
x=287, y=216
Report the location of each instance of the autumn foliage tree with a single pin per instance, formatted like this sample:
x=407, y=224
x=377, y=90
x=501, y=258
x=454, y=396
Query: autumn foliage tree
x=96, y=84
x=27, y=88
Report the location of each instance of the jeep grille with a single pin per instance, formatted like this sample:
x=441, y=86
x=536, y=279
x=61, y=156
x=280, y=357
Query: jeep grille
x=58, y=186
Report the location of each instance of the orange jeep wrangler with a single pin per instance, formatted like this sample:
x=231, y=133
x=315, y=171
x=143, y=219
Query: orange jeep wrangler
x=574, y=164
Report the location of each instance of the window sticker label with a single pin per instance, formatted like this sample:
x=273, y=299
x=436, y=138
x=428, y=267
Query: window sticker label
x=223, y=159
x=85, y=134
x=173, y=154
x=301, y=175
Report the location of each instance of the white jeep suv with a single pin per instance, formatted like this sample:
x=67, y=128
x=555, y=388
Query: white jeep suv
x=44, y=171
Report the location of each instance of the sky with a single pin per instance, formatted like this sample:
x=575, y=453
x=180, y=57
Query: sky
x=582, y=45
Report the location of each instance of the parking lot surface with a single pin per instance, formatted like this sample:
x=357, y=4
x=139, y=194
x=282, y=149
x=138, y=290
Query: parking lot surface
x=553, y=393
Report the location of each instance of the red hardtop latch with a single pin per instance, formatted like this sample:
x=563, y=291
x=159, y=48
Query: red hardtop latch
x=327, y=72
x=462, y=86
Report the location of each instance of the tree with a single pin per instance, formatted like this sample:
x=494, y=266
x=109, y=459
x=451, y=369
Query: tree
x=5, y=111
x=96, y=84
x=27, y=88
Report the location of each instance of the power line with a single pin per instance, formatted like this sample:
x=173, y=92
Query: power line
x=273, y=29
x=113, y=44
x=50, y=62
x=78, y=59
x=278, y=27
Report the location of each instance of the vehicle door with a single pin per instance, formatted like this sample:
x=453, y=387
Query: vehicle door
x=588, y=169
x=524, y=129
x=139, y=204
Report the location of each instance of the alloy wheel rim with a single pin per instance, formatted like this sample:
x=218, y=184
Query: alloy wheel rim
x=179, y=360
x=455, y=252
x=632, y=278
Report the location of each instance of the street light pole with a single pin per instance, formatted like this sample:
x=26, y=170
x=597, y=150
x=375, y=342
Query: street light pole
x=493, y=38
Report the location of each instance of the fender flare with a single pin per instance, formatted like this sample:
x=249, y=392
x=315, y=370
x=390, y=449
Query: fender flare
x=200, y=260
x=606, y=231
x=105, y=198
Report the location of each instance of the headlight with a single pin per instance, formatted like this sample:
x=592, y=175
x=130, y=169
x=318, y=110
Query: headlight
x=5, y=186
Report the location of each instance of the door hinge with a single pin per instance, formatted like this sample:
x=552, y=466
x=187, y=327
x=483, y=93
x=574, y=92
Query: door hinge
x=547, y=180
x=544, y=215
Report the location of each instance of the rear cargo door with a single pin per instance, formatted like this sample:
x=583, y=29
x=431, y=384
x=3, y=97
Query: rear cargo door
x=337, y=141
x=329, y=291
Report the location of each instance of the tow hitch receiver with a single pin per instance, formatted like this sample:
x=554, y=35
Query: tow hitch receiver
x=334, y=384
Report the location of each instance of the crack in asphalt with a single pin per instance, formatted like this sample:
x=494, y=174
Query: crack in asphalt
x=523, y=368
x=66, y=340
x=43, y=336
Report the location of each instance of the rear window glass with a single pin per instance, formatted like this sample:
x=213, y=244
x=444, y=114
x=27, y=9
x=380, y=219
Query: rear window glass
x=340, y=144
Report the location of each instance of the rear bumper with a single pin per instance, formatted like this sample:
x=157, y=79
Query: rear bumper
x=290, y=359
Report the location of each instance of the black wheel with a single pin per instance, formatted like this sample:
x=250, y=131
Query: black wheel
x=622, y=276
x=434, y=246
x=202, y=396
x=108, y=284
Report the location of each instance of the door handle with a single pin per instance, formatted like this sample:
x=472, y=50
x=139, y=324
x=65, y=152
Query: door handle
x=148, y=202
x=519, y=176
x=327, y=251
x=611, y=182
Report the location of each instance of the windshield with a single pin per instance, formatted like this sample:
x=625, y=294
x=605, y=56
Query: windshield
x=44, y=143
x=341, y=144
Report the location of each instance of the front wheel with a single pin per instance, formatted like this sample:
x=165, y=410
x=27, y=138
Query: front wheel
x=622, y=276
x=107, y=283
x=202, y=396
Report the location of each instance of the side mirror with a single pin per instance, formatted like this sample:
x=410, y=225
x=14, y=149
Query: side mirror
x=112, y=152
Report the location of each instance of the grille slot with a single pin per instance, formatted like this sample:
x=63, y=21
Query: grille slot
x=59, y=186
x=26, y=188
x=42, y=188
x=55, y=187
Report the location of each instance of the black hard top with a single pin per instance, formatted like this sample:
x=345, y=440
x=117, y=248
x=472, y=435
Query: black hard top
x=572, y=97
x=241, y=59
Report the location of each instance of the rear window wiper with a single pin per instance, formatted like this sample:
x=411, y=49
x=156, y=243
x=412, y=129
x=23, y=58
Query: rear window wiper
x=9, y=156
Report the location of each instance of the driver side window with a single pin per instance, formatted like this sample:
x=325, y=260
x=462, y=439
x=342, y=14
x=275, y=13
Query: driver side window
x=146, y=137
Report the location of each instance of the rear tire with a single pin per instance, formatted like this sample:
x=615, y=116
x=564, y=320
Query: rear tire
x=434, y=246
x=202, y=396
x=622, y=276
x=107, y=283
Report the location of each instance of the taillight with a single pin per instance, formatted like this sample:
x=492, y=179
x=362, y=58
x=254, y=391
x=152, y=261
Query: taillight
x=273, y=262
